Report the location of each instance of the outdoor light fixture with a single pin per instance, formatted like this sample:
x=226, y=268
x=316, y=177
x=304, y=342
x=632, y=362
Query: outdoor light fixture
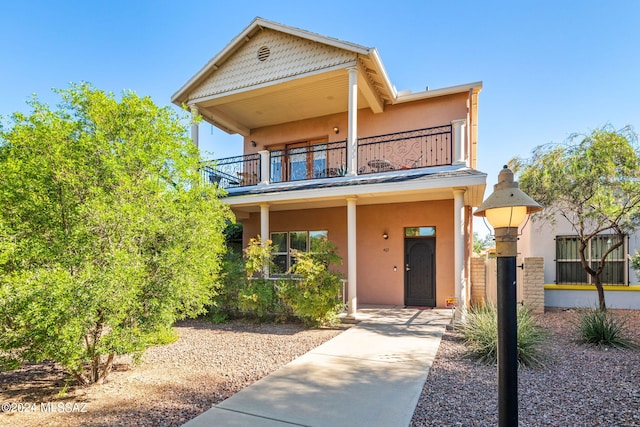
x=253, y=143
x=385, y=235
x=336, y=129
x=505, y=209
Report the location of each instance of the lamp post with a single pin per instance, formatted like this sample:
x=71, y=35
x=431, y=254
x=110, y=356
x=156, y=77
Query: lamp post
x=505, y=209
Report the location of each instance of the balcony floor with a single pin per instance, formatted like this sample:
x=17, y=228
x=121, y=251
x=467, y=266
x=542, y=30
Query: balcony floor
x=429, y=176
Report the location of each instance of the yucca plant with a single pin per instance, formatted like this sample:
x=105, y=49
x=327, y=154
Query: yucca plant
x=480, y=332
x=531, y=335
x=601, y=328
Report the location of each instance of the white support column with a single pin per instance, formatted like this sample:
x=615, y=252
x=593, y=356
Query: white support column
x=352, y=137
x=352, y=302
x=265, y=159
x=459, y=250
x=194, y=125
x=264, y=229
x=460, y=156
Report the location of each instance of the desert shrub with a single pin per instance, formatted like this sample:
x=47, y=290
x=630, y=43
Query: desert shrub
x=247, y=289
x=310, y=293
x=480, y=331
x=602, y=328
x=224, y=305
x=314, y=298
x=530, y=337
x=258, y=296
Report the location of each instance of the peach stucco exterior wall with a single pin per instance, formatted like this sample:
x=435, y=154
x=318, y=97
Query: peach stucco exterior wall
x=378, y=282
x=395, y=118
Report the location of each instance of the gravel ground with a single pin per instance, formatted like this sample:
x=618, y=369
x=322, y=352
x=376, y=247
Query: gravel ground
x=173, y=384
x=579, y=386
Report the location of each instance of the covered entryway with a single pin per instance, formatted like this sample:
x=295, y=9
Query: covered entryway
x=420, y=283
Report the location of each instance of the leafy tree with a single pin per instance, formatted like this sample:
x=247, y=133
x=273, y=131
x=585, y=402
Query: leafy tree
x=481, y=244
x=107, y=234
x=593, y=182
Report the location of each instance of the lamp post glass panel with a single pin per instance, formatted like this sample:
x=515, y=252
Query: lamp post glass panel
x=505, y=209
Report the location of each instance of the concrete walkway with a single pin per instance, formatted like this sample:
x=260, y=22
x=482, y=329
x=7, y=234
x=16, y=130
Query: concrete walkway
x=370, y=375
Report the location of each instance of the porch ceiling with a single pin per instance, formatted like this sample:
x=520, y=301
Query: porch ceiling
x=316, y=95
x=283, y=102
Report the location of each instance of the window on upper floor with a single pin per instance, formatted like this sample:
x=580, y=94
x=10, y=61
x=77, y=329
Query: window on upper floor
x=568, y=266
x=299, y=161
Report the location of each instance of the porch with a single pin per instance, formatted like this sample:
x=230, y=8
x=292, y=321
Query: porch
x=412, y=149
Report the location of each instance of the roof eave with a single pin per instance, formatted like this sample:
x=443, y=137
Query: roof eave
x=463, y=88
x=292, y=195
x=256, y=25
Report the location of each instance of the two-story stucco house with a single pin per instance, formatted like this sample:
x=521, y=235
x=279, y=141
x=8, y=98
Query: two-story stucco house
x=333, y=150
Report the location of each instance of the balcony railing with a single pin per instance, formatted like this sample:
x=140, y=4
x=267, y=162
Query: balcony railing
x=405, y=150
x=413, y=149
x=230, y=172
x=297, y=163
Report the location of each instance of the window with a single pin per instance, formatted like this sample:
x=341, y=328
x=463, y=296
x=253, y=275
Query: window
x=285, y=243
x=302, y=160
x=420, y=232
x=569, y=269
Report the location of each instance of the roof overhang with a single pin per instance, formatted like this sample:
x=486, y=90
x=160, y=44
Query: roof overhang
x=372, y=189
x=314, y=93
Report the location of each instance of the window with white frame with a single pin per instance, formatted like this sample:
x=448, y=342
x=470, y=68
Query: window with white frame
x=286, y=242
x=568, y=266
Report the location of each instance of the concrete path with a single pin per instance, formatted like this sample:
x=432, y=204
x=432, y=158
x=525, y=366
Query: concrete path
x=370, y=375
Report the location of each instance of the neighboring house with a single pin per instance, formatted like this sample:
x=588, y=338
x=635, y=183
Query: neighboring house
x=332, y=150
x=566, y=282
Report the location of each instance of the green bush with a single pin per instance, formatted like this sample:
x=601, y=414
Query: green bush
x=603, y=329
x=224, y=305
x=530, y=337
x=314, y=298
x=260, y=298
x=311, y=294
x=480, y=331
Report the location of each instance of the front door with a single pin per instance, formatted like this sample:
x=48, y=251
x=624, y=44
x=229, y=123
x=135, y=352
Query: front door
x=420, y=283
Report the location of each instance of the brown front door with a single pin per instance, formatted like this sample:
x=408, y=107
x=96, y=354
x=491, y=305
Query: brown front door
x=420, y=283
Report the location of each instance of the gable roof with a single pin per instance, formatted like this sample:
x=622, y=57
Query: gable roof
x=272, y=73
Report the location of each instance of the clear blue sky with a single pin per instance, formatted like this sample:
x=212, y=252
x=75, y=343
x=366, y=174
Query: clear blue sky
x=549, y=68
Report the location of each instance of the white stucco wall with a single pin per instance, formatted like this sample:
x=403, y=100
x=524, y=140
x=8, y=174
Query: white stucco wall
x=537, y=240
x=623, y=299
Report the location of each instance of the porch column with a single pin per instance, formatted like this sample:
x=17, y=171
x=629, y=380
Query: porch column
x=459, y=142
x=264, y=229
x=352, y=132
x=265, y=159
x=459, y=249
x=194, y=124
x=352, y=305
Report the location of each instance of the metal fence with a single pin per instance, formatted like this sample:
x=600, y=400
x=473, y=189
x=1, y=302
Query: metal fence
x=406, y=150
x=238, y=171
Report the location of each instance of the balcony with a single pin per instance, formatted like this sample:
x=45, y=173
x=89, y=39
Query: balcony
x=420, y=148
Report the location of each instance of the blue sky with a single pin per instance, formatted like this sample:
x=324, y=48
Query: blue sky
x=549, y=68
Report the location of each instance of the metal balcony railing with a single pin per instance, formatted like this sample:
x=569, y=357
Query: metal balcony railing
x=230, y=172
x=326, y=160
x=412, y=149
x=405, y=150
